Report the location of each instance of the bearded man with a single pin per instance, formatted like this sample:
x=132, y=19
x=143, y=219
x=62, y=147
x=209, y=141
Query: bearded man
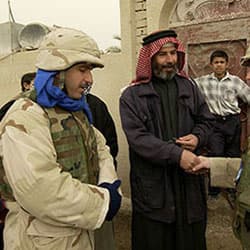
x=167, y=122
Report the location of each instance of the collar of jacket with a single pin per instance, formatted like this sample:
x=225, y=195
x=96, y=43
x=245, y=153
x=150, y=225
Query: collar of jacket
x=183, y=85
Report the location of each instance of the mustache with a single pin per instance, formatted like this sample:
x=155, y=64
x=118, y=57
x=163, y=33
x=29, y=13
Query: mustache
x=168, y=65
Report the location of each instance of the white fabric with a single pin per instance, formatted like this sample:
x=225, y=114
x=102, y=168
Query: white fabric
x=222, y=95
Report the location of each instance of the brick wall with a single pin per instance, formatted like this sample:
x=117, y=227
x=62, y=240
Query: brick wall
x=141, y=21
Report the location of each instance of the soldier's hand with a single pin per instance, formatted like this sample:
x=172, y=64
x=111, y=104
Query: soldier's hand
x=188, y=142
x=202, y=167
x=115, y=198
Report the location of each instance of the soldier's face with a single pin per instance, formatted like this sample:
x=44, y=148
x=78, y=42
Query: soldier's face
x=76, y=79
x=164, y=62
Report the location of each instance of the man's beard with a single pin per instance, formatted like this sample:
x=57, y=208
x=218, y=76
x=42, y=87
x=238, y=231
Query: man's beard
x=160, y=73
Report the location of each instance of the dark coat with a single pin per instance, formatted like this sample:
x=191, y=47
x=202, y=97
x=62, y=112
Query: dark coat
x=151, y=158
x=103, y=121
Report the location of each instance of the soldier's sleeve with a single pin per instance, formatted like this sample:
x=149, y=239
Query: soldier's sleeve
x=223, y=171
x=107, y=171
x=38, y=184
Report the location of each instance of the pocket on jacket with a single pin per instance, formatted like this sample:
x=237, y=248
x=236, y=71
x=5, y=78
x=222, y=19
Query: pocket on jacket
x=152, y=191
x=36, y=227
x=149, y=120
x=45, y=236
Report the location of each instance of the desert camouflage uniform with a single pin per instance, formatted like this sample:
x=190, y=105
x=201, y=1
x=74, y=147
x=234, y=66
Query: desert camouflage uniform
x=241, y=223
x=53, y=207
x=223, y=171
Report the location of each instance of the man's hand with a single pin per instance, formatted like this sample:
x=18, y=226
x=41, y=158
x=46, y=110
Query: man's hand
x=189, y=160
x=202, y=167
x=188, y=142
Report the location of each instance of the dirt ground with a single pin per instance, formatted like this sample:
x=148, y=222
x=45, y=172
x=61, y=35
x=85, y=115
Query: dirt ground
x=219, y=232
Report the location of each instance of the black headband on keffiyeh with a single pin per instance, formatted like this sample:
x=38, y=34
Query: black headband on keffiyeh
x=151, y=45
x=157, y=35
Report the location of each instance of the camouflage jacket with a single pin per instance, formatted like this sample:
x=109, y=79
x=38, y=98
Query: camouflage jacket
x=49, y=201
x=223, y=171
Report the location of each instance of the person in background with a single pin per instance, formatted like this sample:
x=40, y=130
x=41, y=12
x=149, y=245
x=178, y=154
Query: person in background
x=234, y=173
x=102, y=120
x=222, y=91
x=167, y=122
x=57, y=176
x=27, y=81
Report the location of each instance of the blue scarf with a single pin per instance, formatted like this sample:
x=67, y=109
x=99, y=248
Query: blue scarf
x=49, y=95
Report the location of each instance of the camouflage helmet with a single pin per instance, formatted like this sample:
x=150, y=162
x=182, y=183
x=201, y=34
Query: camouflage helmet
x=245, y=60
x=64, y=47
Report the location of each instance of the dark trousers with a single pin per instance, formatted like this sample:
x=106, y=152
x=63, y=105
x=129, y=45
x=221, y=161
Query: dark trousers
x=148, y=234
x=225, y=139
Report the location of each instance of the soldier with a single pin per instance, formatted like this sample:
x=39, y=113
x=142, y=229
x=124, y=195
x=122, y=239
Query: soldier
x=57, y=175
x=226, y=172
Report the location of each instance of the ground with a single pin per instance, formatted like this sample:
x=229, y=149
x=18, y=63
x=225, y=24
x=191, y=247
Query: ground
x=219, y=231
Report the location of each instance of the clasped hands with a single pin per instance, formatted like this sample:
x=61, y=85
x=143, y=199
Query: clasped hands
x=190, y=162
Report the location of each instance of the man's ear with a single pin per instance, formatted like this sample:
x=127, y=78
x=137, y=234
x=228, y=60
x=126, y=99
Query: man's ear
x=57, y=76
x=59, y=79
x=227, y=65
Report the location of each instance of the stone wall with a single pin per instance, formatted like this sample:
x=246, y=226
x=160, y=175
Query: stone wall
x=141, y=21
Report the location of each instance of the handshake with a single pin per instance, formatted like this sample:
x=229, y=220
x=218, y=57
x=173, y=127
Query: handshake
x=194, y=164
x=190, y=162
x=115, y=198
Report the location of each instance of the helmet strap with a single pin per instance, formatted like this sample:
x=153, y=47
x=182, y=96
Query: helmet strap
x=61, y=79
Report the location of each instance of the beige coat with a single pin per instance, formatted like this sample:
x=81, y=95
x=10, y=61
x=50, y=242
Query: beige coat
x=53, y=211
x=223, y=171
